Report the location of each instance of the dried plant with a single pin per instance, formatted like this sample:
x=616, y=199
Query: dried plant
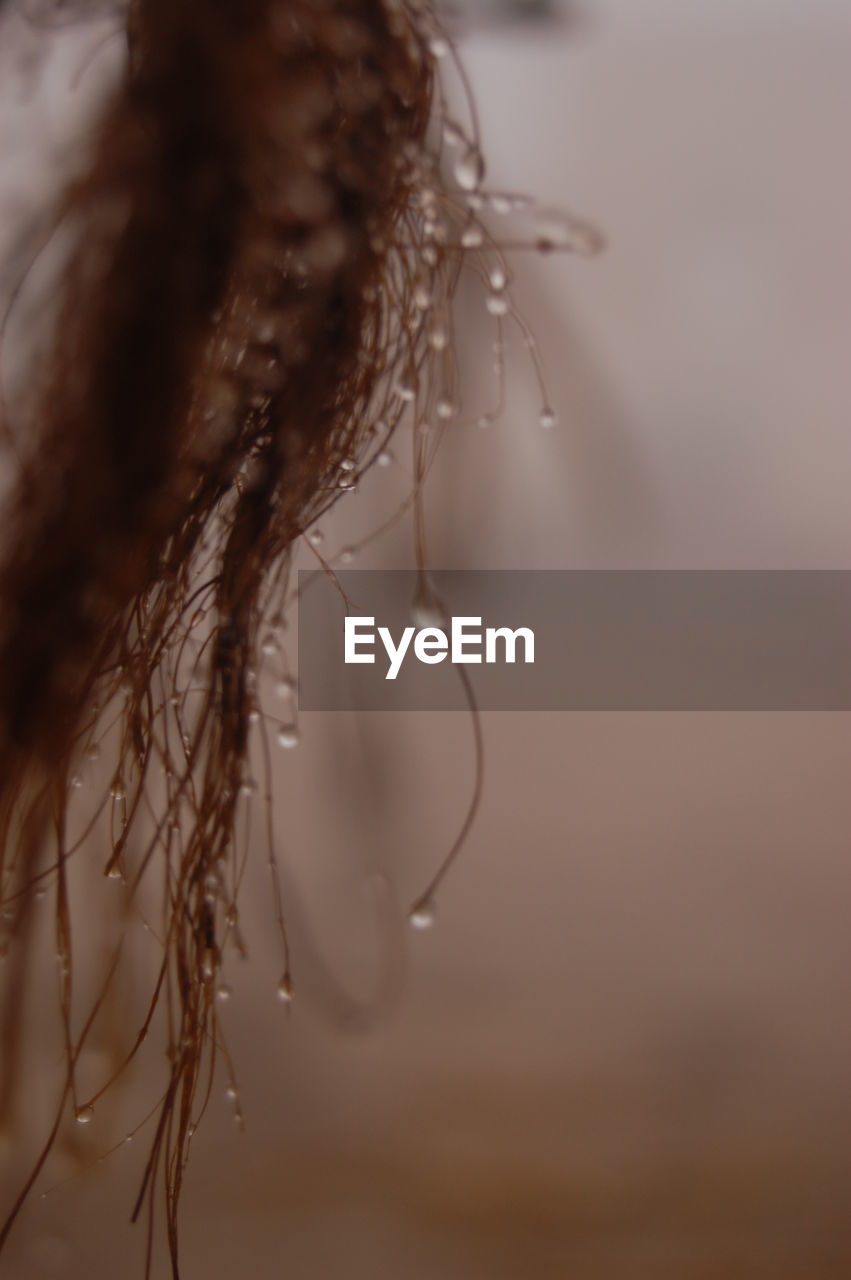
x=264, y=248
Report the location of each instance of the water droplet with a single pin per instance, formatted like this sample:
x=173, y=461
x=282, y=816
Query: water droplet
x=84, y=1115
x=422, y=915
x=438, y=336
x=406, y=387
x=208, y=964
x=269, y=645
x=248, y=786
x=498, y=278
x=93, y=752
x=385, y=458
x=472, y=237
x=117, y=790
x=422, y=293
x=348, y=464
x=484, y=421
x=453, y=133
x=285, y=989
x=347, y=555
x=286, y=687
x=547, y=418
x=500, y=203
x=76, y=781
x=445, y=408
x=232, y=1091
x=439, y=46
x=556, y=230
x=114, y=872
x=288, y=736
x=469, y=169
x=253, y=715
x=436, y=228
x=316, y=537
x=231, y=916
x=426, y=608
x=497, y=304
x=224, y=993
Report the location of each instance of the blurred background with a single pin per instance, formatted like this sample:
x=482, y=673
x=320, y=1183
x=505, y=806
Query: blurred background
x=624, y=1049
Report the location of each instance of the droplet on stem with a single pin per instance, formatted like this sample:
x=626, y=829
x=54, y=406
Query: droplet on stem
x=208, y=964
x=406, y=387
x=288, y=736
x=422, y=292
x=452, y=133
x=469, y=169
x=498, y=278
x=426, y=608
x=438, y=335
x=422, y=915
x=555, y=230
x=84, y=1115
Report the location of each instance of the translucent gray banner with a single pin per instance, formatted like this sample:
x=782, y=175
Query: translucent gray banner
x=696, y=640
